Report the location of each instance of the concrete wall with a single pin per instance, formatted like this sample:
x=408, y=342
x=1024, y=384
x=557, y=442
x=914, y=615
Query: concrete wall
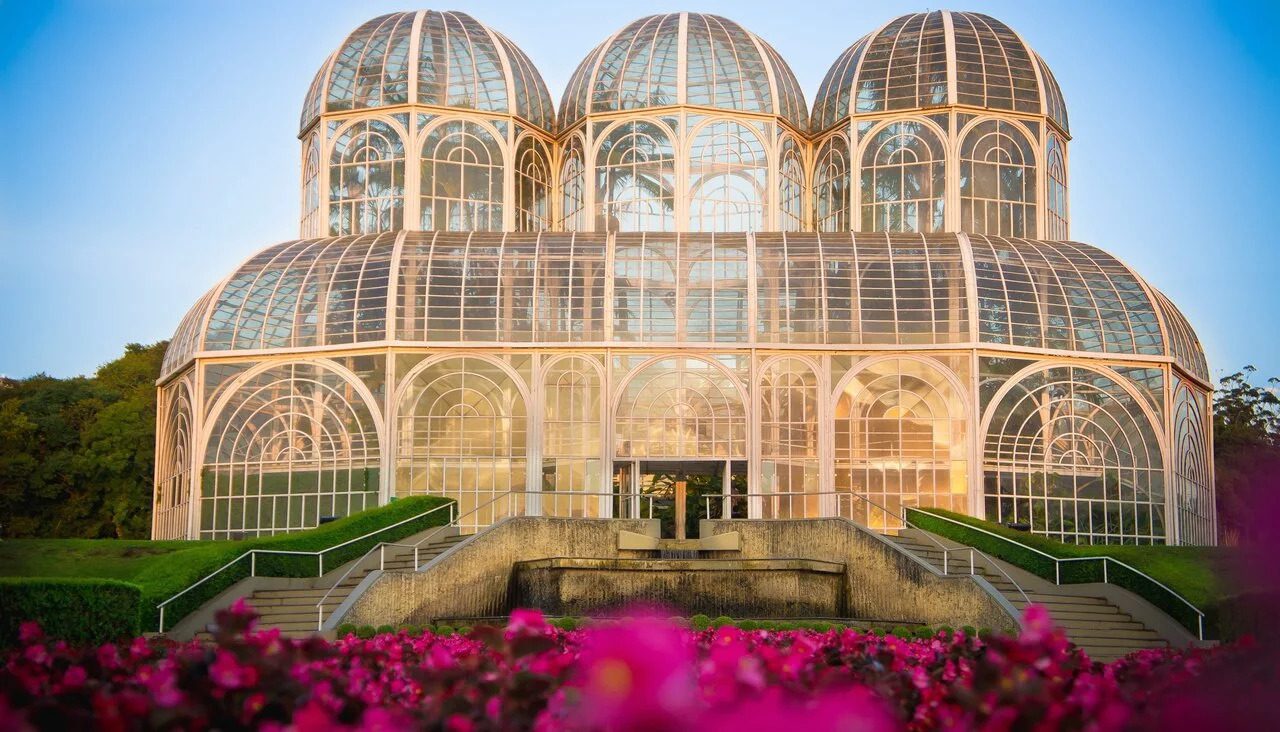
x=882, y=581
x=477, y=578
x=474, y=578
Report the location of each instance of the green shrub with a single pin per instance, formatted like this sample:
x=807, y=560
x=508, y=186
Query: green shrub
x=565, y=623
x=946, y=630
x=385, y=629
x=924, y=632
x=70, y=609
x=464, y=630
x=722, y=621
x=366, y=632
x=345, y=630
x=970, y=631
x=700, y=622
x=748, y=625
x=445, y=630
x=901, y=631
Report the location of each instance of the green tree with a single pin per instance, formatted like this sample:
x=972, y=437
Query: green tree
x=1246, y=447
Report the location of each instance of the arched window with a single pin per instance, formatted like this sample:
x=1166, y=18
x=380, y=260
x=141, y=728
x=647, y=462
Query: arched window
x=1193, y=487
x=728, y=175
x=1073, y=454
x=366, y=179
x=461, y=433
x=533, y=186
x=997, y=181
x=310, y=227
x=173, y=463
x=791, y=185
x=573, y=184
x=292, y=444
x=789, y=439
x=572, y=431
x=681, y=407
x=903, y=179
x=900, y=441
x=1056, y=167
x=635, y=179
x=462, y=179
x=831, y=185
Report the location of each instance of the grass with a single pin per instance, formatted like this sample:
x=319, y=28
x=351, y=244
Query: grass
x=164, y=568
x=1195, y=573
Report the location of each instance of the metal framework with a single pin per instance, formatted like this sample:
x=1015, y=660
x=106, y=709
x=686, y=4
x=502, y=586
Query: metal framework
x=488, y=301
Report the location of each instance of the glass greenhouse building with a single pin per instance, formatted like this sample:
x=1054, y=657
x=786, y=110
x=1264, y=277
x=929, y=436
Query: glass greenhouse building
x=847, y=311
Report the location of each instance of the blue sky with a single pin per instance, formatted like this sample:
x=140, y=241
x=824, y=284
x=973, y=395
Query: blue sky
x=150, y=146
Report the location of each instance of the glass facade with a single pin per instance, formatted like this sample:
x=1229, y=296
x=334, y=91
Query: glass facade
x=685, y=271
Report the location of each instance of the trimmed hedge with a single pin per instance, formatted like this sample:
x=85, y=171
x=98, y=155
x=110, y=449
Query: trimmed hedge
x=1014, y=550
x=182, y=569
x=75, y=610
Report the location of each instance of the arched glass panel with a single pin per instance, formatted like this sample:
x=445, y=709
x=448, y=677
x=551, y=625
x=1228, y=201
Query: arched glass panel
x=533, y=186
x=174, y=454
x=1056, y=167
x=903, y=179
x=900, y=441
x=831, y=185
x=573, y=187
x=635, y=179
x=638, y=69
x=997, y=181
x=572, y=433
x=311, y=189
x=461, y=433
x=681, y=407
x=366, y=179
x=1193, y=485
x=1072, y=454
x=790, y=185
x=789, y=437
x=728, y=175
x=726, y=69
x=462, y=179
x=294, y=443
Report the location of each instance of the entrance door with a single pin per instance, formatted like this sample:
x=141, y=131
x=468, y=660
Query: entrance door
x=683, y=492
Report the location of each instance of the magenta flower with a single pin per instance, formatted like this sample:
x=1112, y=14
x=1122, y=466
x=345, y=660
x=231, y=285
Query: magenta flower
x=227, y=672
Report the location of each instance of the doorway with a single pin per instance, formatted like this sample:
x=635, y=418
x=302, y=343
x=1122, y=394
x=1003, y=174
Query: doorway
x=682, y=492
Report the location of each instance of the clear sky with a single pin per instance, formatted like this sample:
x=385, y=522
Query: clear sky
x=148, y=147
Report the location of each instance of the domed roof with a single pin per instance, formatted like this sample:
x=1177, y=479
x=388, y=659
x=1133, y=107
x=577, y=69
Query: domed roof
x=725, y=66
x=924, y=60
x=895, y=289
x=444, y=59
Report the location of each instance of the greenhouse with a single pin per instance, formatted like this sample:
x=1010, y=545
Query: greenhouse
x=682, y=272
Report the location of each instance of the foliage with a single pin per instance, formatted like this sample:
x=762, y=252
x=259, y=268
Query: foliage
x=1246, y=448
x=163, y=569
x=78, y=610
x=640, y=674
x=76, y=454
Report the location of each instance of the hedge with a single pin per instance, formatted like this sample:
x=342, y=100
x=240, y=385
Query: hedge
x=1013, y=550
x=76, y=610
x=167, y=578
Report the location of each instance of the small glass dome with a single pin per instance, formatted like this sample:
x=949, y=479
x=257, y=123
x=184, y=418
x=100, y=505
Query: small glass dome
x=725, y=66
x=442, y=59
x=934, y=59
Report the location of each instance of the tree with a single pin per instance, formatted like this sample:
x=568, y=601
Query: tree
x=1246, y=447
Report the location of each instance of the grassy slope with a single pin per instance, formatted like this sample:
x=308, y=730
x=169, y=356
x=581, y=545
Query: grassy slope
x=163, y=568
x=1194, y=572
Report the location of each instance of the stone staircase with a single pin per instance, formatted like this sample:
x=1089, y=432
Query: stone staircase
x=1093, y=622
x=292, y=609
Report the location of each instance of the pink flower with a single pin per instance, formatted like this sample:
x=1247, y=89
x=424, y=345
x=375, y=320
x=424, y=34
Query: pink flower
x=637, y=676
x=29, y=632
x=227, y=672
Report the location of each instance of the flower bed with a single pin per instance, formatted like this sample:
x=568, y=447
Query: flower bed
x=642, y=673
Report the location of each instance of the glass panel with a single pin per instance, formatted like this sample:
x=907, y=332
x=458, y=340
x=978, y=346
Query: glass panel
x=681, y=407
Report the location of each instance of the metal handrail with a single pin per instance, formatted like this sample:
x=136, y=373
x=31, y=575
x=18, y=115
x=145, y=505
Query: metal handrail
x=319, y=554
x=1058, y=561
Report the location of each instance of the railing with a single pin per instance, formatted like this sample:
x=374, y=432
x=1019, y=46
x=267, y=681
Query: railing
x=518, y=503
x=253, y=554
x=844, y=505
x=1145, y=584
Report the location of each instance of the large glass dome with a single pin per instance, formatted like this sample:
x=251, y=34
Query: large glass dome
x=441, y=59
x=684, y=58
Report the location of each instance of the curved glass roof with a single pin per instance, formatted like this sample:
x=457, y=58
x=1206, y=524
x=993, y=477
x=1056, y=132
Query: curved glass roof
x=725, y=66
x=444, y=59
x=769, y=289
x=925, y=60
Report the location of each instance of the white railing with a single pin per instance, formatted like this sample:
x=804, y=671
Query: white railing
x=517, y=504
x=1104, y=559
x=252, y=554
